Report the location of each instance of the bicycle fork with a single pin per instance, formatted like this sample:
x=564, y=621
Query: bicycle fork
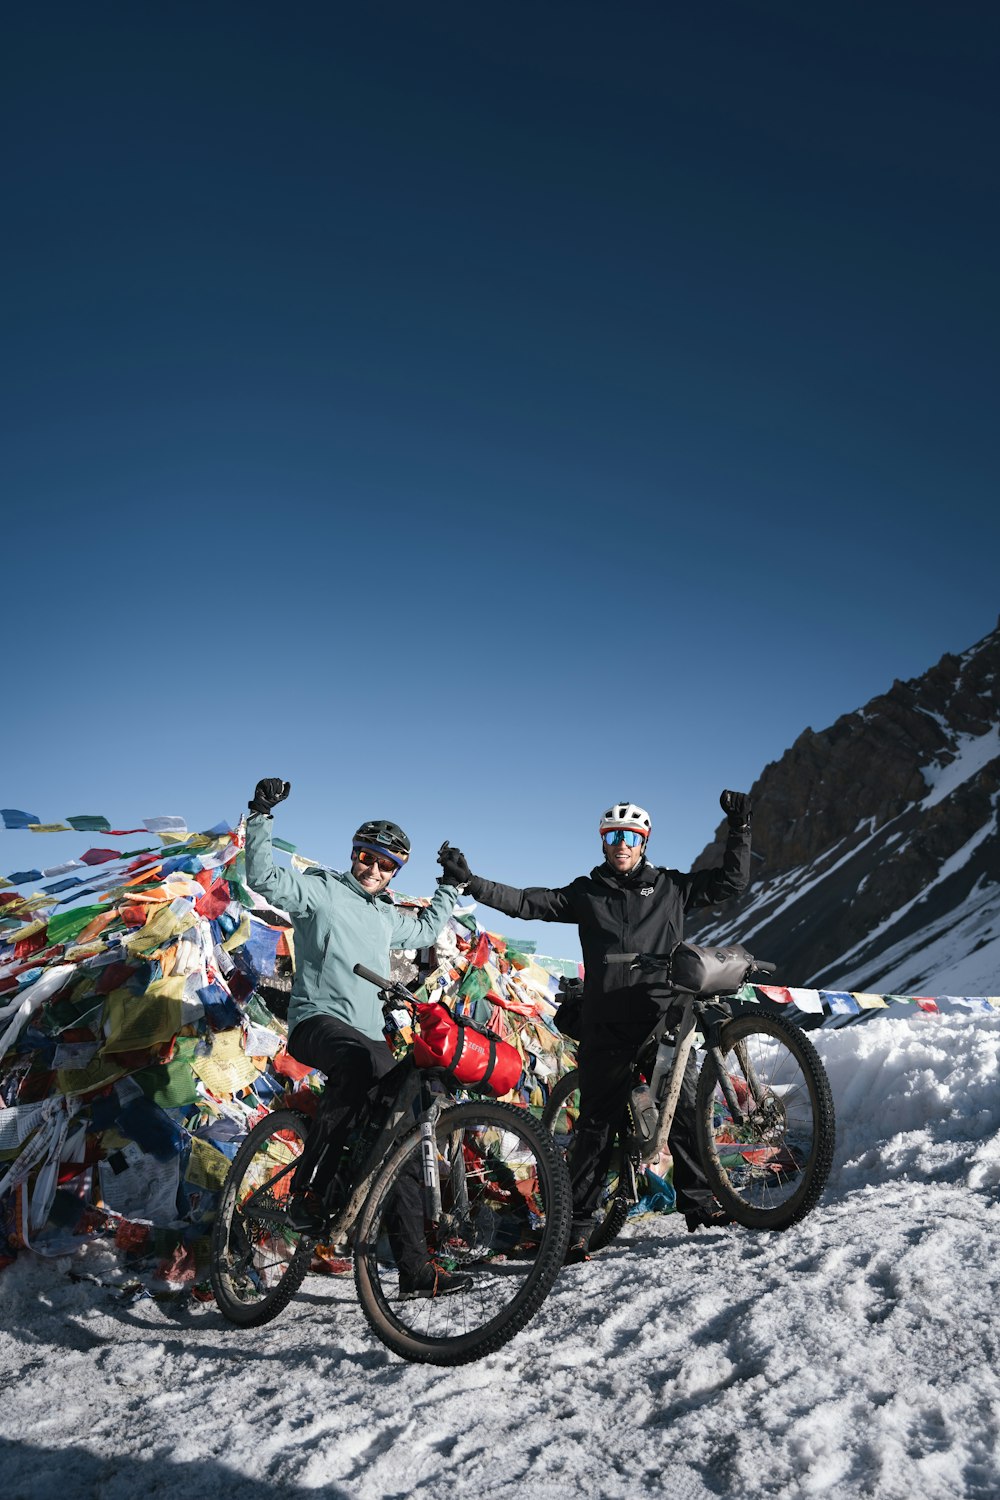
x=429, y=1163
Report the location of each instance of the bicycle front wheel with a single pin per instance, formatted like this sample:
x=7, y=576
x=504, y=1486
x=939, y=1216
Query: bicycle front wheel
x=560, y=1115
x=768, y=1169
x=258, y=1263
x=502, y=1232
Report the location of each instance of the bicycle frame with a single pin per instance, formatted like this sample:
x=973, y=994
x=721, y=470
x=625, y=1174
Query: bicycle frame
x=697, y=1015
x=762, y=1112
x=436, y=1196
x=415, y=1085
x=700, y=1012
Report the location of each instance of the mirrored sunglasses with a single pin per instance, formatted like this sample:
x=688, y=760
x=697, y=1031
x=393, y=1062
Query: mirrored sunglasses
x=626, y=836
x=386, y=864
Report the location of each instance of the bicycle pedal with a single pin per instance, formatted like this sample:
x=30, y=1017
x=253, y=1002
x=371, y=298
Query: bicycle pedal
x=305, y=1218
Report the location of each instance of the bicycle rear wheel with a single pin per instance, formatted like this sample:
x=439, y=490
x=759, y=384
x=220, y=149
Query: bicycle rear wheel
x=769, y=1170
x=559, y=1116
x=504, y=1223
x=258, y=1263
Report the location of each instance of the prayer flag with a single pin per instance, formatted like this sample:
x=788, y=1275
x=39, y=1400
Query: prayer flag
x=99, y=856
x=807, y=1001
x=168, y=824
x=89, y=823
x=839, y=1003
x=14, y=818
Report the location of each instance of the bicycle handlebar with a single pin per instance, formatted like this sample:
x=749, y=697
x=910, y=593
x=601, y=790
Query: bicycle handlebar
x=377, y=979
x=394, y=991
x=661, y=960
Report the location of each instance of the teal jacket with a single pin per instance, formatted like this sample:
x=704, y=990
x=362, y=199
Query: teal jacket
x=337, y=924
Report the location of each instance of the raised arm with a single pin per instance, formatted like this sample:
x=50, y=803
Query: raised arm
x=420, y=930
x=286, y=889
x=731, y=878
x=537, y=903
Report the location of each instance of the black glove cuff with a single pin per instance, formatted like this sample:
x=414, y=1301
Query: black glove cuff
x=255, y=807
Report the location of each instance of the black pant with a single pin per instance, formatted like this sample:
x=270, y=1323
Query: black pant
x=606, y=1059
x=353, y=1064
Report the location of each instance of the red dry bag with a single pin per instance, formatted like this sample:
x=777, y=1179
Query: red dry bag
x=475, y=1058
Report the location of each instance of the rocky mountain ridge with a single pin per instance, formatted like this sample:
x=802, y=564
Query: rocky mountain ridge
x=877, y=853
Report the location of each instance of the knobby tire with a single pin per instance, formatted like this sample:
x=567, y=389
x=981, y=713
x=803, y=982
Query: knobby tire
x=613, y=1215
x=463, y=1329
x=257, y=1268
x=769, y=1172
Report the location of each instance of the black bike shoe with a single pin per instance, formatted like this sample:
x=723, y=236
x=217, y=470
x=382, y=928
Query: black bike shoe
x=305, y=1214
x=432, y=1280
x=707, y=1219
x=577, y=1251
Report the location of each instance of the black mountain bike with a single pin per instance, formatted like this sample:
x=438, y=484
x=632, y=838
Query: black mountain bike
x=765, y=1117
x=493, y=1181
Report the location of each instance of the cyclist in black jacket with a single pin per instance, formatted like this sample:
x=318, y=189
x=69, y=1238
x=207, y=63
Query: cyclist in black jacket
x=625, y=904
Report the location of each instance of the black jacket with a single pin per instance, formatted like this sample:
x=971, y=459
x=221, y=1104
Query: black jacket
x=642, y=912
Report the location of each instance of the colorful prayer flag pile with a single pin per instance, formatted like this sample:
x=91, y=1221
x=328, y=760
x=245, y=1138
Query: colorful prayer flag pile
x=487, y=978
x=135, y=1050
x=141, y=1037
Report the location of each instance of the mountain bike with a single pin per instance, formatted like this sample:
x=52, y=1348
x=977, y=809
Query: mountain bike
x=765, y=1122
x=492, y=1180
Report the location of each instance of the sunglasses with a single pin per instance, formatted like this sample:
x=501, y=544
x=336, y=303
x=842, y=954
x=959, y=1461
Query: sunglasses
x=625, y=836
x=386, y=864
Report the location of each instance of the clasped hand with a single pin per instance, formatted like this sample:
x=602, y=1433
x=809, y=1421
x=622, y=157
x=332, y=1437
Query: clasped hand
x=736, y=806
x=269, y=793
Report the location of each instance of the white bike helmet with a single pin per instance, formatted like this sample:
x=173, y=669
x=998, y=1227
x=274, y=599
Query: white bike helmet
x=628, y=816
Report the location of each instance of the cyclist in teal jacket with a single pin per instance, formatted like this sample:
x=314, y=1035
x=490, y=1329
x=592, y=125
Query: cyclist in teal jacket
x=335, y=1019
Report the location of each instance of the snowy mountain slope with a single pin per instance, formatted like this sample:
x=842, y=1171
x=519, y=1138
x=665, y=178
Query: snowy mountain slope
x=856, y=1355
x=877, y=848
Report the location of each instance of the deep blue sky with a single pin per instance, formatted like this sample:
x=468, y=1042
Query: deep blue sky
x=480, y=413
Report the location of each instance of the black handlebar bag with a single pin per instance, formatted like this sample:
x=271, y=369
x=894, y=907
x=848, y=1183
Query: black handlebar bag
x=716, y=970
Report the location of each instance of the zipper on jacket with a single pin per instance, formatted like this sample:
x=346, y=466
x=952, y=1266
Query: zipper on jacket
x=625, y=931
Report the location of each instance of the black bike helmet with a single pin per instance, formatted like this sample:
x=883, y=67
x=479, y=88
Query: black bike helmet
x=382, y=834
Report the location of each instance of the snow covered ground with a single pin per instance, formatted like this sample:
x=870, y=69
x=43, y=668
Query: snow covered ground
x=855, y=1355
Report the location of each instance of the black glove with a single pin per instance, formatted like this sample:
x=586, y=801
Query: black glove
x=454, y=866
x=269, y=793
x=736, y=806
